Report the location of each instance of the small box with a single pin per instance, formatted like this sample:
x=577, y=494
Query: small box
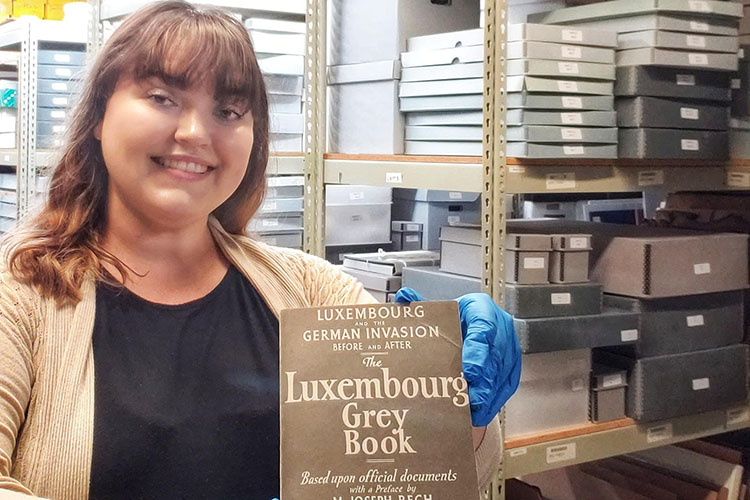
x=579, y=150
x=607, y=404
x=285, y=143
x=677, y=59
x=8, y=119
x=537, y=208
x=50, y=128
x=670, y=386
x=406, y=235
x=561, y=134
x=677, y=41
x=375, y=281
x=390, y=263
x=560, y=52
x=535, y=84
x=357, y=215
x=58, y=72
x=567, y=119
x=561, y=69
x=364, y=109
x=287, y=123
x=673, y=143
x=434, y=284
x=653, y=112
x=569, y=260
x=526, y=100
x=544, y=301
x=683, y=23
x=674, y=83
x=442, y=72
x=559, y=34
x=273, y=193
x=8, y=181
x=62, y=58
x=449, y=40
x=444, y=118
x=527, y=258
x=461, y=250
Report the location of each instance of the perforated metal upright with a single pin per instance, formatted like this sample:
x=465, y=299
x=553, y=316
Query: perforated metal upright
x=26, y=115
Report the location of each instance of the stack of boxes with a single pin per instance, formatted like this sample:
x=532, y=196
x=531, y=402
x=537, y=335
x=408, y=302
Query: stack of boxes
x=279, y=221
x=560, y=86
x=59, y=72
x=441, y=93
x=739, y=132
x=366, y=41
x=280, y=46
x=674, y=60
x=358, y=216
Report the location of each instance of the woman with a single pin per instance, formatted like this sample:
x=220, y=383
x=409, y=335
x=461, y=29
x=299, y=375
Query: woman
x=126, y=368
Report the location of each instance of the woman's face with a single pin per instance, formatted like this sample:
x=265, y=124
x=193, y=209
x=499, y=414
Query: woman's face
x=173, y=155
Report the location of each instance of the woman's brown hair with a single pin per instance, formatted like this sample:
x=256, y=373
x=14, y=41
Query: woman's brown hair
x=182, y=44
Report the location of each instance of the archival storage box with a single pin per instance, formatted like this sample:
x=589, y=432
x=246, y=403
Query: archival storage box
x=461, y=249
x=535, y=84
x=527, y=258
x=677, y=59
x=553, y=300
x=565, y=118
x=590, y=37
x=677, y=41
x=562, y=134
x=434, y=284
x=357, y=214
x=654, y=112
x=542, y=150
x=675, y=83
x=560, y=52
x=527, y=100
x=673, y=143
x=685, y=23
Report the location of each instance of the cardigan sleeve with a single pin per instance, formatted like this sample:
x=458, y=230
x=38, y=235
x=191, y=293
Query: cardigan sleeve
x=19, y=316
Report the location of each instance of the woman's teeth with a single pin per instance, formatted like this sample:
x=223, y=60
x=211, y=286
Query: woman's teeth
x=185, y=166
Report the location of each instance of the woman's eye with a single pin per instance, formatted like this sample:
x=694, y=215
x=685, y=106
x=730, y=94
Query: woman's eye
x=161, y=99
x=229, y=114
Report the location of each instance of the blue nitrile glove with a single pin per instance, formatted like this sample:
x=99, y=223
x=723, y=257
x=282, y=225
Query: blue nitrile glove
x=491, y=354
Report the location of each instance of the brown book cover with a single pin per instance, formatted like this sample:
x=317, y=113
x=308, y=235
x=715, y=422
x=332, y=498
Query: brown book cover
x=374, y=404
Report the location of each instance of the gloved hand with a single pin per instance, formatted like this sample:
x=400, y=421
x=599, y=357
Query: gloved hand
x=491, y=354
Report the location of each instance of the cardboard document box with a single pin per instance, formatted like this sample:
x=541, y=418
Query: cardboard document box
x=441, y=87
x=553, y=393
x=526, y=100
x=430, y=118
x=434, y=284
x=444, y=133
x=374, y=281
x=677, y=41
x=683, y=23
x=271, y=206
x=446, y=40
x=669, y=386
x=284, y=84
x=534, y=84
x=569, y=260
x=558, y=34
x=274, y=25
x=626, y=8
x=473, y=53
x=287, y=123
x=527, y=258
x=278, y=43
x=406, y=235
x=562, y=69
x=741, y=90
x=677, y=59
x=607, y=393
x=54, y=100
x=576, y=150
x=544, y=301
x=653, y=112
x=284, y=104
x=674, y=83
x=59, y=72
x=390, y=263
x=442, y=72
x=613, y=327
x=552, y=134
x=441, y=103
x=273, y=224
x=673, y=143
x=684, y=324
x=561, y=52
x=461, y=250
x=565, y=118
x=50, y=86
x=357, y=214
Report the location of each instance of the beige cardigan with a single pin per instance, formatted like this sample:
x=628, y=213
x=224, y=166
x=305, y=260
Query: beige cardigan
x=47, y=367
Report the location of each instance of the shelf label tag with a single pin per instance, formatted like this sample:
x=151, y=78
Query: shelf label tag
x=559, y=299
x=629, y=335
x=572, y=35
x=516, y=169
x=660, y=433
x=696, y=320
x=565, y=180
x=738, y=179
x=701, y=384
x=612, y=380
x=699, y=6
x=690, y=145
x=572, y=102
x=533, y=263
x=687, y=80
x=568, y=68
x=690, y=113
x=570, y=52
x=704, y=268
x=573, y=150
x=698, y=26
x=572, y=134
x=697, y=59
x=564, y=86
x=696, y=41
x=517, y=452
x=561, y=453
x=739, y=415
x=571, y=118
x=393, y=178
x=651, y=177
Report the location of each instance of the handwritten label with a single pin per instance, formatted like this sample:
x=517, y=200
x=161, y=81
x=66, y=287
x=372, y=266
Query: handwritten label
x=561, y=453
x=651, y=177
x=696, y=320
x=570, y=52
x=564, y=86
x=686, y=80
x=689, y=113
x=572, y=35
x=698, y=26
x=572, y=102
x=696, y=41
x=534, y=263
x=565, y=180
x=704, y=268
x=690, y=145
x=453, y=195
x=697, y=59
x=738, y=179
x=571, y=134
x=517, y=452
x=579, y=243
x=612, y=380
x=356, y=195
x=571, y=118
x=659, y=433
x=573, y=150
x=629, y=335
x=701, y=384
x=560, y=299
x=393, y=178
x=568, y=68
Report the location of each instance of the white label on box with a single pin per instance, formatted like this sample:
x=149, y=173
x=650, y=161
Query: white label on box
x=61, y=58
x=412, y=227
x=704, y=268
x=696, y=41
x=699, y=6
x=572, y=102
x=58, y=129
x=687, y=80
x=570, y=52
x=579, y=243
x=567, y=68
x=454, y=219
x=270, y=222
x=738, y=179
x=60, y=101
x=690, y=113
x=577, y=385
x=612, y=380
x=413, y=238
x=565, y=180
x=697, y=26
x=561, y=453
x=269, y=205
x=629, y=335
x=57, y=114
x=660, y=433
x=696, y=320
x=571, y=134
x=533, y=263
x=453, y=195
x=356, y=217
x=6, y=157
x=736, y=84
x=59, y=86
x=564, y=86
x=516, y=169
x=517, y=452
x=560, y=299
x=63, y=72
x=690, y=145
x=697, y=59
x=651, y=177
x=572, y=35
x=393, y=178
x=736, y=416
x=701, y=384
x=571, y=118
x=356, y=195
x=573, y=150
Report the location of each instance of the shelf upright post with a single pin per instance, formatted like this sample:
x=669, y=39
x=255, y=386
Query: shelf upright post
x=315, y=123
x=25, y=171
x=95, y=37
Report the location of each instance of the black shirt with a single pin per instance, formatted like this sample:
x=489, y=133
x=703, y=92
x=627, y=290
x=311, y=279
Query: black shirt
x=186, y=396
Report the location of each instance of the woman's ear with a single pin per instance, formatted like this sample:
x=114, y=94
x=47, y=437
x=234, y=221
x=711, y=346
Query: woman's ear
x=98, y=131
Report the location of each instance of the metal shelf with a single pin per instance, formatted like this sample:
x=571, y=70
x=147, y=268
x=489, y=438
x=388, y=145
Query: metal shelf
x=20, y=30
x=530, y=454
x=426, y=172
x=114, y=9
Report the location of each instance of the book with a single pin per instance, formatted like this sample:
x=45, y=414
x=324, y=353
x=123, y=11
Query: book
x=374, y=404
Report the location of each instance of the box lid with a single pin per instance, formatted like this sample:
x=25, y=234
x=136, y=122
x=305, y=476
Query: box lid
x=364, y=72
x=536, y=242
x=470, y=234
x=446, y=40
x=406, y=226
